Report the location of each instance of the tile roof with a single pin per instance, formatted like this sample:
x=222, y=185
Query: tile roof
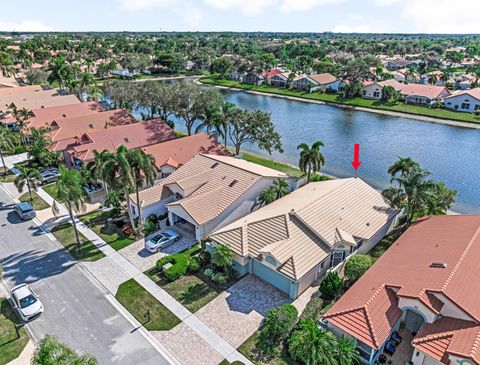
x=65, y=128
x=453, y=240
x=396, y=85
x=324, y=78
x=44, y=116
x=296, y=235
x=217, y=181
x=449, y=336
x=475, y=93
x=133, y=135
x=33, y=97
x=177, y=152
x=429, y=91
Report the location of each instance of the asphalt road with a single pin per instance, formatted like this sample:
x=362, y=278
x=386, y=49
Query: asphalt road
x=77, y=311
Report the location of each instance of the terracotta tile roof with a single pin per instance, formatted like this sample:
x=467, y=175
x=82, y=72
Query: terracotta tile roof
x=33, y=97
x=324, y=78
x=475, y=93
x=449, y=336
x=133, y=135
x=217, y=181
x=451, y=240
x=77, y=126
x=272, y=72
x=291, y=230
x=44, y=116
x=396, y=85
x=177, y=152
x=429, y=91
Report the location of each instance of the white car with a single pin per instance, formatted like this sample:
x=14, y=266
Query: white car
x=26, y=302
x=161, y=240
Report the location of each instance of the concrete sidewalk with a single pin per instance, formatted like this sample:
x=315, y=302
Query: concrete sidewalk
x=122, y=267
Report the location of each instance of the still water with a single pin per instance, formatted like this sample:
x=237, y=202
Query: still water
x=452, y=154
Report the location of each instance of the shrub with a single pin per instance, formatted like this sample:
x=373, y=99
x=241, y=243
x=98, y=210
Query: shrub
x=277, y=326
x=179, y=266
x=208, y=273
x=312, y=310
x=205, y=258
x=356, y=267
x=219, y=278
x=222, y=256
x=231, y=272
x=153, y=218
x=194, y=264
x=331, y=285
x=148, y=227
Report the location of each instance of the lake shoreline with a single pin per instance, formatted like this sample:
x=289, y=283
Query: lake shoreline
x=416, y=117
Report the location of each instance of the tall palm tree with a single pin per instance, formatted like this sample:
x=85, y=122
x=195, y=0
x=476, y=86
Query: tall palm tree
x=402, y=166
x=267, y=196
x=311, y=345
x=27, y=176
x=95, y=167
x=144, y=172
x=7, y=144
x=21, y=116
x=70, y=191
x=281, y=188
x=411, y=73
x=227, y=110
x=346, y=352
x=117, y=173
x=311, y=159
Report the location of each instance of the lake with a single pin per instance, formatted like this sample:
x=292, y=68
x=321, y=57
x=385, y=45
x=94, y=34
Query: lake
x=452, y=154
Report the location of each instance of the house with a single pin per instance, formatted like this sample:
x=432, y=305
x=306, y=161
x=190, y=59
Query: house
x=426, y=78
x=297, y=238
x=464, y=101
x=279, y=79
x=207, y=192
x=33, y=97
x=314, y=82
x=134, y=135
x=424, y=94
x=170, y=155
x=268, y=75
x=399, y=63
x=426, y=287
x=374, y=90
x=253, y=78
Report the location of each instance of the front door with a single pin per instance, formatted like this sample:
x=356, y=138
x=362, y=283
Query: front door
x=413, y=321
x=337, y=257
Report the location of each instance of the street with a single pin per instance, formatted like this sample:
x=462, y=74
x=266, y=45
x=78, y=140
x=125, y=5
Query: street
x=77, y=311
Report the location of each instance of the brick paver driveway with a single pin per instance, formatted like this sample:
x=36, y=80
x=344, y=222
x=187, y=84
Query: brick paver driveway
x=238, y=312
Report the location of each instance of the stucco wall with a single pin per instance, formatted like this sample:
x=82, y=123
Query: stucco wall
x=414, y=304
x=450, y=309
x=455, y=103
x=157, y=208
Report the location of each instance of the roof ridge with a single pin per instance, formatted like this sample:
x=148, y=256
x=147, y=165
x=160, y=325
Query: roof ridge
x=370, y=327
x=431, y=337
x=460, y=261
x=215, y=158
x=350, y=310
x=475, y=346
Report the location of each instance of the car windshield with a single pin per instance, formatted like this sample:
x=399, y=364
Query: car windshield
x=158, y=238
x=168, y=234
x=25, y=208
x=27, y=301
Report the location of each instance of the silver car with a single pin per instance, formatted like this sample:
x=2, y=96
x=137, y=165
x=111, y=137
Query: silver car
x=161, y=240
x=24, y=211
x=26, y=302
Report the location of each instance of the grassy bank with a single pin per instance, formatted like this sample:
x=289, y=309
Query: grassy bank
x=37, y=203
x=399, y=107
x=11, y=341
x=66, y=236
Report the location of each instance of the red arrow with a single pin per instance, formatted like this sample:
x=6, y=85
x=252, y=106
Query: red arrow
x=356, y=156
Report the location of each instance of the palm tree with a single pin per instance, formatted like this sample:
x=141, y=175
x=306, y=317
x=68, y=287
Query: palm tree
x=7, y=144
x=144, y=172
x=412, y=73
x=346, y=352
x=311, y=159
x=117, y=173
x=267, y=196
x=27, y=176
x=433, y=79
x=21, y=116
x=222, y=256
x=95, y=92
x=95, y=167
x=311, y=345
x=403, y=165
x=227, y=110
x=70, y=191
x=281, y=188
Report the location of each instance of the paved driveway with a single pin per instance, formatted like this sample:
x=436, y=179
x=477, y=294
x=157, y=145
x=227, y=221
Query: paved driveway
x=238, y=312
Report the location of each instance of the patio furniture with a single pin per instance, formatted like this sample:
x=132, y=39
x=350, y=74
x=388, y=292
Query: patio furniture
x=390, y=348
x=395, y=337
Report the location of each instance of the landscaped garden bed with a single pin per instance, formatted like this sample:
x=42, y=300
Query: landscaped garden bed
x=86, y=252
x=110, y=231
x=12, y=341
x=152, y=314
x=37, y=203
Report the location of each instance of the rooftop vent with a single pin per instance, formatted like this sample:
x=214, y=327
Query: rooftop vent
x=233, y=183
x=214, y=165
x=91, y=125
x=64, y=115
x=438, y=265
x=126, y=139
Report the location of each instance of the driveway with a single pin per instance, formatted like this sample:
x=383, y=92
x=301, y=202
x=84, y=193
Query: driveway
x=238, y=312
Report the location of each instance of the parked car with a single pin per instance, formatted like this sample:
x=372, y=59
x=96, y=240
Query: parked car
x=25, y=211
x=161, y=240
x=26, y=302
x=49, y=175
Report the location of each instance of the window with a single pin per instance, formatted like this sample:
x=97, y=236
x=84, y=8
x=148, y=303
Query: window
x=376, y=94
x=477, y=107
x=465, y=106
x=364, y=92
x=178, y=196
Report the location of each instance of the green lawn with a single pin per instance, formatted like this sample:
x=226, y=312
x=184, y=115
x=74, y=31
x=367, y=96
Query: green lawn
x=11, y=345
x=88, y=251
x=38, y=203
x=337, y=99
x=264, y=161
x=9, y=177
x=250, y=351
x=137, y=301
x=97, y=221
x=51, y=190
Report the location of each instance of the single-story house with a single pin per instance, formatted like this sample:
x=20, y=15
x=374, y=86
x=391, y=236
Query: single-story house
x=279, y=79
x=425, y=286
x=253, y=78
x=207, y=192
x=297, y=238
x=317, y=81
x=170, y=155
x=268, y=75
x=374, y=90
x=134, y=135
x=464, y=101
x=424, y=94
x=397, y=64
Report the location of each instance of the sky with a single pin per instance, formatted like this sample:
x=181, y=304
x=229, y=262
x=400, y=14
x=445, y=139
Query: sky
x=362, y=16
